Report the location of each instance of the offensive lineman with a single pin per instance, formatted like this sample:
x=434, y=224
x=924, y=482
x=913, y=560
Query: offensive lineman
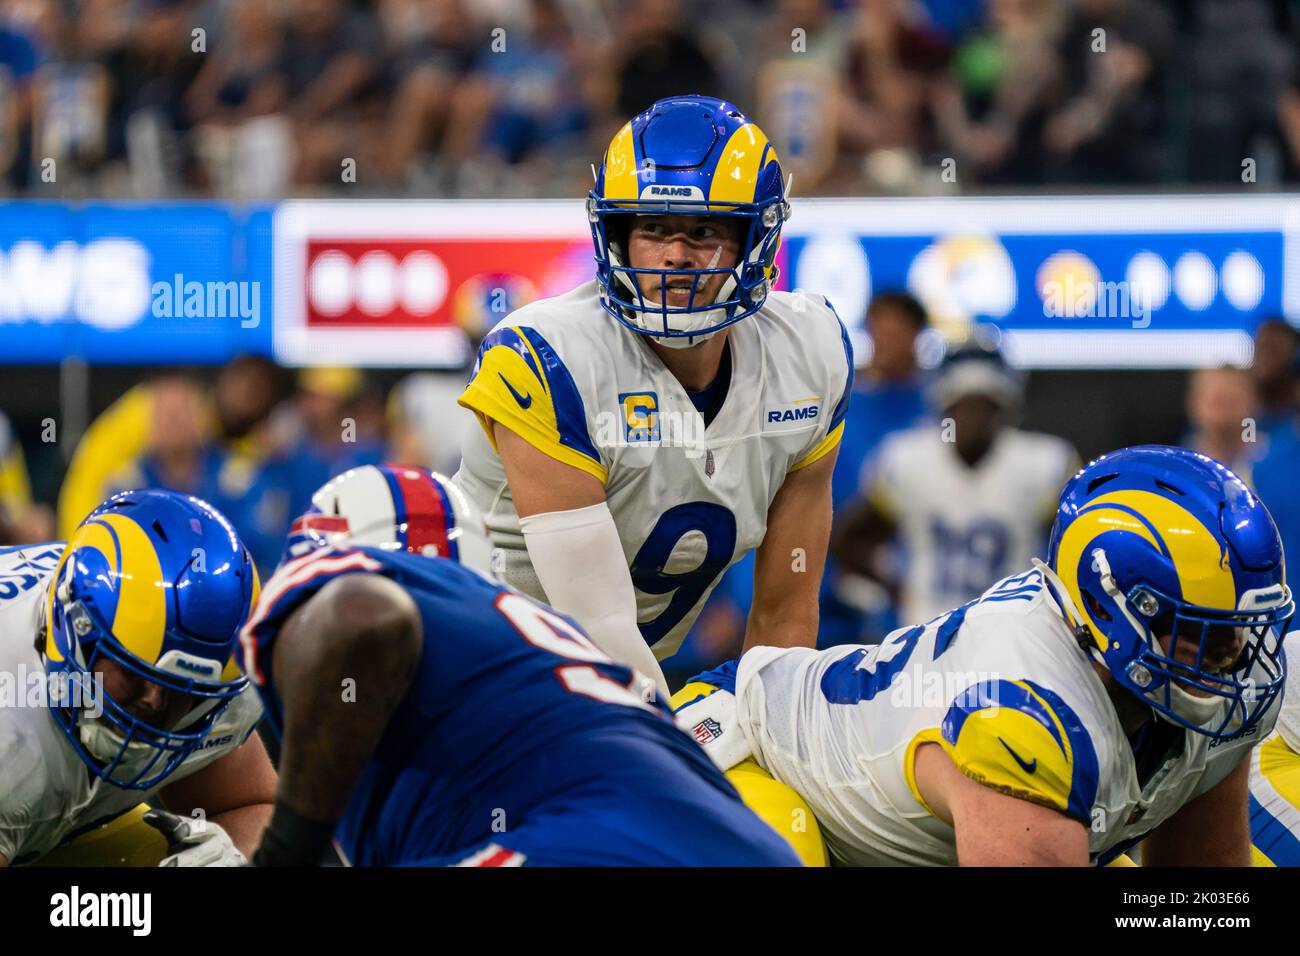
x=1049, y=721
x=483, y=729
x=648, y=429
x=148, y=595
x=1275, y=786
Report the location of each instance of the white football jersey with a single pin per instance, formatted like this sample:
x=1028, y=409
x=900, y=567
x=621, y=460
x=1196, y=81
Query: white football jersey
x=1275, y=784
x=48, y=795
x=1002, y=685
x=963, y=528
x=688, y=501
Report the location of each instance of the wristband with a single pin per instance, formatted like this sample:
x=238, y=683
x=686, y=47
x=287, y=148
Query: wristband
x=292, y=840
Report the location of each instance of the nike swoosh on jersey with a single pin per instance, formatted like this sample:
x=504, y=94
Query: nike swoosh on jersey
x=1028, y=766
x=523, y=400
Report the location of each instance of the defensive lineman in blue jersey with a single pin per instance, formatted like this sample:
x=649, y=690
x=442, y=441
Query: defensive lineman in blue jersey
x=429, y=716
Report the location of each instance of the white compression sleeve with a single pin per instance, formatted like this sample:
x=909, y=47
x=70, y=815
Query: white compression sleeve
x=581, y=566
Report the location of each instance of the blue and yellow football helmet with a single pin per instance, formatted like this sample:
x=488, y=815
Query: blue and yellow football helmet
x=691, y=155
x=1157, y=544
x=160, y=584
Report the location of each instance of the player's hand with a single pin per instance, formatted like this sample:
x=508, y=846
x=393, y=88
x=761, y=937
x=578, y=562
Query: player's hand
x=194, y=841
x=714, y=724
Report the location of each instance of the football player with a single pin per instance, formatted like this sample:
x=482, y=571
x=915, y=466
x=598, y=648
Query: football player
x=118, y=648
x=646, y=430
x=429, y=716
x=969, y=498
x=1275, y=786
x=1109, y=696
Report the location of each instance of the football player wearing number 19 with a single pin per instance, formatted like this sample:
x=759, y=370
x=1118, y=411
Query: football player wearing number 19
x=1109, y=696
x=648, y=429
x=430, y=716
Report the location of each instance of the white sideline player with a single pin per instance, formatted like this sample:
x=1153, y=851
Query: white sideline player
x=970, y=499
x=1108, y=697
x=648, y=429
x=126, y=602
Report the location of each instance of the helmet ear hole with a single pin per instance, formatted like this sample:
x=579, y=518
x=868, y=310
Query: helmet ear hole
x=617, y=231
x=1095, y=610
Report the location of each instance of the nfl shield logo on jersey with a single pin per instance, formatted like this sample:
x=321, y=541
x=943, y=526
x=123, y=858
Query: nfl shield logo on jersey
x=706, y=730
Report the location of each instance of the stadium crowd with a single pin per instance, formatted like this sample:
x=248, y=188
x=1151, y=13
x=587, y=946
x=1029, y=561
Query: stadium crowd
x=260, y=99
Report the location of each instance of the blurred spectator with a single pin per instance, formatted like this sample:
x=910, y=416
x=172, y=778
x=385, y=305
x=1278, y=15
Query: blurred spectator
x=149, y=53
x=433, y=44
x=246, y=146
x=896, y=56
x=184, y=453
x=246, y=391
x=113, y=440
x=970, y=499
x=1004, y=81
x=22, y=521
x=803, y=50
x=659, y=54
x=172, y=432
x=515, y=97
x=19, y=58
x=317, y=437
x=328, y=61
x=177, y=454
x=888, y=396
x=519, y=102
x=1110, y=128
x=425, y=424
x=1276, y=370
x=1232, y=74
x=1219, y=402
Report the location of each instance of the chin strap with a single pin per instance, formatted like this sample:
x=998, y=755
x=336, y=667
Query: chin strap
x=1082, y=632
x=1112, y=589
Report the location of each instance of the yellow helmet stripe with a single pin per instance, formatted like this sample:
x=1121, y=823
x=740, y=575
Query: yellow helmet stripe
x=736, y=175
x=620, y=166
x=1199, y=558
x=1091, y=522
x=91, y=535
x=51, y=646
x=140, y=620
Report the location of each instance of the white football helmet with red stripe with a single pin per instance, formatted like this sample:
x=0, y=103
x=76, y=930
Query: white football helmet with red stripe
x=398, y=508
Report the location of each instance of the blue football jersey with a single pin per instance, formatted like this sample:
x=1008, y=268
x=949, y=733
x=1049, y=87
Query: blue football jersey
x=513, y=717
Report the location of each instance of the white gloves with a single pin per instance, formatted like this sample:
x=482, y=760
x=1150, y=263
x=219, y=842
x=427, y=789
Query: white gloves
x=194, y=841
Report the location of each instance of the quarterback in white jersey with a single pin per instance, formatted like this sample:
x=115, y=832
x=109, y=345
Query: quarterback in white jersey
x=117, y=683
x=969, y=499
x=648, y=429
x=1108, y=697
